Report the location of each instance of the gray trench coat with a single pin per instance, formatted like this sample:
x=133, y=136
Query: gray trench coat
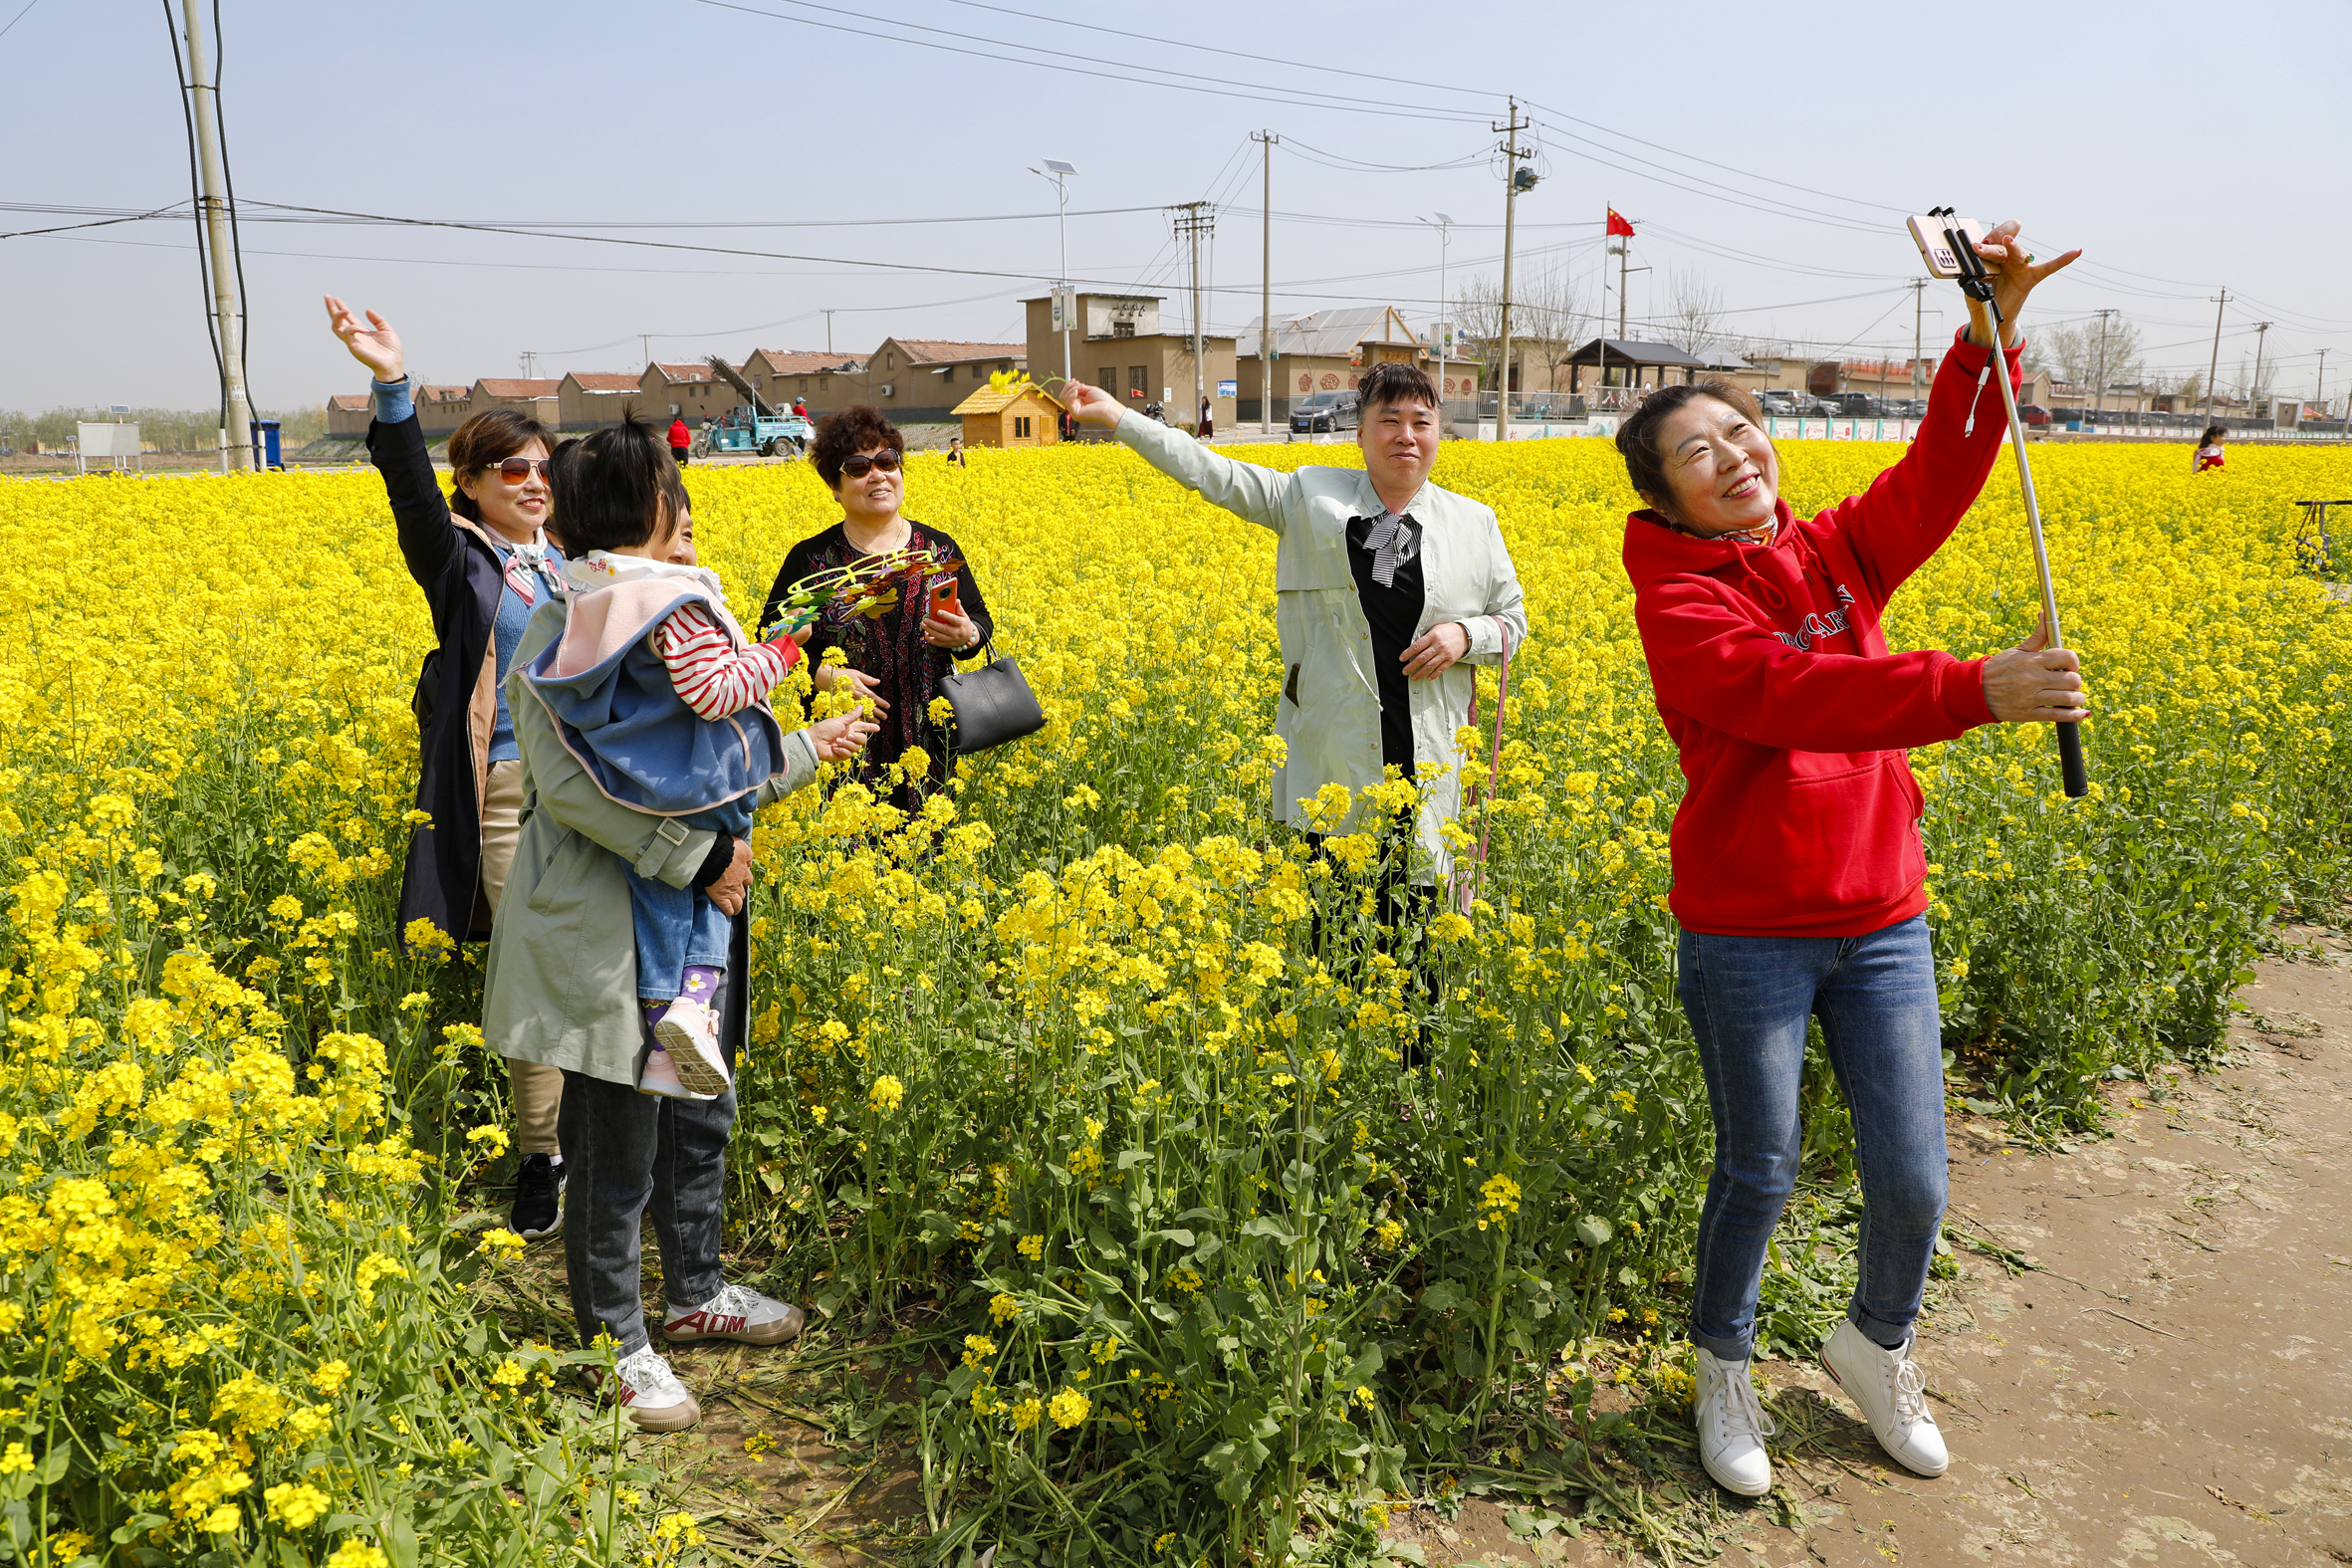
x=561, y=982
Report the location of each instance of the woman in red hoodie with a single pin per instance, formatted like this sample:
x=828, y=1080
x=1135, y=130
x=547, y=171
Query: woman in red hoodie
x=1799, y=881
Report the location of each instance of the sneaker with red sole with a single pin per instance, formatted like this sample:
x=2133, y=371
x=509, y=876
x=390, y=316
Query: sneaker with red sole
x=737, y=1313
x=651, y=1394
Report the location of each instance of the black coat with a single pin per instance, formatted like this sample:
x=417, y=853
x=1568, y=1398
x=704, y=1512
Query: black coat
x=459, y=570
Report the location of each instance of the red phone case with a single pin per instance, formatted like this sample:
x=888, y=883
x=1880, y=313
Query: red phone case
x=943, y=598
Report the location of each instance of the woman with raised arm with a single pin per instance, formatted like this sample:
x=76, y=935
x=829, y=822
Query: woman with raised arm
x=484, y=561
x=1800, y=880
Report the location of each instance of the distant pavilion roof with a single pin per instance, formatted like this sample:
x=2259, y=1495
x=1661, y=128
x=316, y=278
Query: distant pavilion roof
x=1619, y=351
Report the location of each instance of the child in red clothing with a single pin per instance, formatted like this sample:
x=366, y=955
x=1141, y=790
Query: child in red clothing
x=2209, y=448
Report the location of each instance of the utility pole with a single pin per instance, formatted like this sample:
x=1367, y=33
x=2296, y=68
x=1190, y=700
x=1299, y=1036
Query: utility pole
x=1511, y=185
x=228, y=321
x=1197, y=221
x=1266, y=138
x=2319, y=387
x=645, y=346
x=528, y=358
x=1060, y=172
x=2099, y=399
x=1919, y=300
x=2221, y=304
x=828, y=333
x=2254, y=388
x=1624, y=256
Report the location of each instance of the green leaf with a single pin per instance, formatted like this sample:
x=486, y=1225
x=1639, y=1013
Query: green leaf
x=1594, y=1230
x=1262, y=1226
x=1443, y=1296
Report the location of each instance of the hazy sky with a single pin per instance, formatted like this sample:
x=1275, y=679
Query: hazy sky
x=1770, y=151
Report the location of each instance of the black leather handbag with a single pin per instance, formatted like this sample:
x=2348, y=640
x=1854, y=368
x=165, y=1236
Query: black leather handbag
x=993, y=704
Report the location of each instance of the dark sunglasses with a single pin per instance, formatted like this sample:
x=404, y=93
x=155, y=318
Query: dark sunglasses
x=515, y=469
x=859, y=466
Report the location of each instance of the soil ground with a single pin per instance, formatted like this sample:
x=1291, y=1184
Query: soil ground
x=2132, y=1367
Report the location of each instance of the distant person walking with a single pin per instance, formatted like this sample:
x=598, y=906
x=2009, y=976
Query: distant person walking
x=681, y=440
x=1208, y=426
x=2209, y=448
x=484, y=561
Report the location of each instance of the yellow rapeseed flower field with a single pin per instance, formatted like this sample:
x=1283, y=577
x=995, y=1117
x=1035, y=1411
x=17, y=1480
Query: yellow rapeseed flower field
x=1231, y=1211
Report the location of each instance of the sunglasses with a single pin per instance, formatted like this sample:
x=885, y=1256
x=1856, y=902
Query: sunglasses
x=516, y=470
x=859, y=466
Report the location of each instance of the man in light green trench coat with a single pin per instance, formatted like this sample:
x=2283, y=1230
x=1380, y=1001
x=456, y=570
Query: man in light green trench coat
x=1386, y=587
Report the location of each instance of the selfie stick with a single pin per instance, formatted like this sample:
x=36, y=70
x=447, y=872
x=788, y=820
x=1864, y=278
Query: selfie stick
x=1977, y=283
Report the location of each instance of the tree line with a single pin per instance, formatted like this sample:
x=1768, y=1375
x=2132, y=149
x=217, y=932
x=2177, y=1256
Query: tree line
x=168, y=429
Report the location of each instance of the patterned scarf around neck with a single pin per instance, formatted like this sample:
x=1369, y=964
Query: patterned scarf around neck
x=1392, y=544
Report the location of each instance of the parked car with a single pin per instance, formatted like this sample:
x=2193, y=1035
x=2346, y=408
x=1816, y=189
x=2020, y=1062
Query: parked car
x=1793, y=406
x=1325, y=412
x=1854, y=405
x=2033, y=414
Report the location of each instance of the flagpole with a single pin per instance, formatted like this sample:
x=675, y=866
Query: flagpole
x=1603, y=370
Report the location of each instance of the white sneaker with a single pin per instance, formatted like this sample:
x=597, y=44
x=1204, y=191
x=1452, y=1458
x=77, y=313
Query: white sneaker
x=689, y=1032
x=660, y=1079
x=651, y=1394
x=740, y=1314
x=1732, y=1427
x=1892, y=1392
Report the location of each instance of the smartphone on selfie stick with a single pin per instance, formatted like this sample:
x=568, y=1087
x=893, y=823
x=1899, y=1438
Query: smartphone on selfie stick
x=1948, y=244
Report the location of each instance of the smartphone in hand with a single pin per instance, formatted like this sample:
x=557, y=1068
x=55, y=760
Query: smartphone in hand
x=943, y=598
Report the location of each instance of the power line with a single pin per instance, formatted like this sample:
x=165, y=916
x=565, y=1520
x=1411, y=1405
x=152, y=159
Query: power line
x=20, y=16
x=1340, y=160
x=1158, y=79
x=1423, y=86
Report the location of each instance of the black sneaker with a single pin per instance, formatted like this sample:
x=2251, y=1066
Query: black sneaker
x=538, y=1198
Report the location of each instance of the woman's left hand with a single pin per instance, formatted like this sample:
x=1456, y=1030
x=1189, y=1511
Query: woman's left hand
x=2014, y=273
x=952, y=630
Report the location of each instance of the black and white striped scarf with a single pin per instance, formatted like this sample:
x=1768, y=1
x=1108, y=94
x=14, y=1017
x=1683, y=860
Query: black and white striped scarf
x=1393, y=541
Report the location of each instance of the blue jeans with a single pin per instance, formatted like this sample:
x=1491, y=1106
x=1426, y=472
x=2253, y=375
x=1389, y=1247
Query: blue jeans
x=1748, y=998
x=626, y=1154
x=676, y=926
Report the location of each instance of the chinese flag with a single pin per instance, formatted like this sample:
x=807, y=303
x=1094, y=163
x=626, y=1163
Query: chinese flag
x=1618, y=225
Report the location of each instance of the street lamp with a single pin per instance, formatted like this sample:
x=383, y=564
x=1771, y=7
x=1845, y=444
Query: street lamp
x=1060, y=172
x=1445, y=237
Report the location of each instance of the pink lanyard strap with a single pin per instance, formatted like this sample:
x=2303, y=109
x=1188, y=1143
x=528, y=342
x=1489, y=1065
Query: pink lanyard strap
x=1467, y=888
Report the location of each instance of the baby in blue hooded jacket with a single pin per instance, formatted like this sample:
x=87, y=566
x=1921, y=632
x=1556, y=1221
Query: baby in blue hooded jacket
x=663, y=699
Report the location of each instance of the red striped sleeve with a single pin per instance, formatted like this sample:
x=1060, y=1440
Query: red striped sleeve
x=714, y=677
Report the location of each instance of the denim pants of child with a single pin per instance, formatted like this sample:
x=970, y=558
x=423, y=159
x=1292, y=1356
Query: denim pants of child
x=676, y=926
x=679, y=925
x=625, y=1153
x=1748, y=998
